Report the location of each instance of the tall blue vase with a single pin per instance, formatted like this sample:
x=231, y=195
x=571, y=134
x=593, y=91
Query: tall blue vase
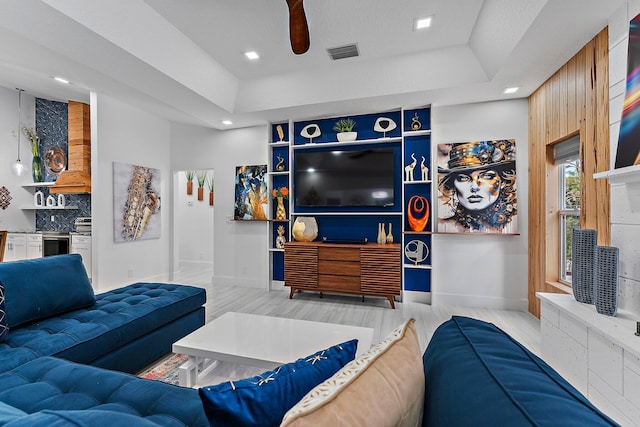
x=607, y=282
x=583, y=264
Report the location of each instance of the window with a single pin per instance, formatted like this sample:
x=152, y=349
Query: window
x=569, y=213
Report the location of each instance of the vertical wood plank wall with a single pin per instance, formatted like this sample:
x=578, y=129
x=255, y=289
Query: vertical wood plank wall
x=575, y=100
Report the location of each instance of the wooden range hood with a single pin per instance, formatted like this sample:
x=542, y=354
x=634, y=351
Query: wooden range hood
x=77, y=177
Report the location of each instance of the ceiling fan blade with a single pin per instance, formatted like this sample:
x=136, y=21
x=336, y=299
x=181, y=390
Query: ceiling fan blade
x=298, y=28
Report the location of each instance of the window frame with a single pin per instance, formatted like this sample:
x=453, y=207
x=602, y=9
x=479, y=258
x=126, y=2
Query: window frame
x=565, y=212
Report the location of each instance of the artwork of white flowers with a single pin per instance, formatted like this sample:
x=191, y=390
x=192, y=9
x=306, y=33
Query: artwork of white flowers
x=136, y=202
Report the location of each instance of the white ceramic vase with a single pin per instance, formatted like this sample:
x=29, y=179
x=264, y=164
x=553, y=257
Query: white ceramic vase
x=347, y=136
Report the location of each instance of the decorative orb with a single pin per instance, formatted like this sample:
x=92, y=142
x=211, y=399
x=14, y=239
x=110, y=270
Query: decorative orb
x=305, y=229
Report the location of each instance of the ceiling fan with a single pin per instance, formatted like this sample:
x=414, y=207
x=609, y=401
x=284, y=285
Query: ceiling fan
x=298, y=28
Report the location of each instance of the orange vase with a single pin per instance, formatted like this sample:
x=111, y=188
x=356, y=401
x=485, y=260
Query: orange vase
x=189, y=187
x=200, y=193
x=418, y=212
x=210, y=198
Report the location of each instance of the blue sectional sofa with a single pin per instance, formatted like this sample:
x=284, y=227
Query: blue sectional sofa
x=52, y=314
x=477, y=375
x=474, y=373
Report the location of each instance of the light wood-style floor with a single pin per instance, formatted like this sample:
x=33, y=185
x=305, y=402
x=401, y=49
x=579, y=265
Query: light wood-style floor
x=350, y=310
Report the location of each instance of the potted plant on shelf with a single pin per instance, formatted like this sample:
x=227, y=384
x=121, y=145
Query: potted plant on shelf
x=280, y=194
x=344, y=129
x=210, y=187
x=190, y=175
x=201, y=176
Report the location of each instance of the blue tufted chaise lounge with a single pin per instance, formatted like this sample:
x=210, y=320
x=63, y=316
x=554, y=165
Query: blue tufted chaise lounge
x=51, y=310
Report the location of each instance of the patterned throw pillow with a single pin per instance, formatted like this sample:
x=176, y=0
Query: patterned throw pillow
x=263, y=400
x=383, y=387
x=4, y=328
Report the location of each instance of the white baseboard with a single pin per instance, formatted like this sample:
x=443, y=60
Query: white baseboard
x=278, y=285
x=480, y=301
x=415, y=296
x=184, y=264
x=241, y=282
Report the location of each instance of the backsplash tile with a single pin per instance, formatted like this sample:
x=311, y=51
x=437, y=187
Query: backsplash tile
x=52, y=127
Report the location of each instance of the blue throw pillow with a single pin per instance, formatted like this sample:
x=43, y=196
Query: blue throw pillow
x=264, y=399
x=43, y=287
x=4, y=327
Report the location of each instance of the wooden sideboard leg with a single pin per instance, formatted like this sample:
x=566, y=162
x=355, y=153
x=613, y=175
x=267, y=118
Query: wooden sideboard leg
x=390, y=298
x=320, y=294
x=291, y=292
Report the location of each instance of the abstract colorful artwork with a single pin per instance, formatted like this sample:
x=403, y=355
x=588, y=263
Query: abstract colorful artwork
x=136, y=202
x=477, y=187
x=628, y=152
x=251, y=195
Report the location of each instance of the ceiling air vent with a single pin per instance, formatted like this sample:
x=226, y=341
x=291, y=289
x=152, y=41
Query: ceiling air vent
x=343, y=52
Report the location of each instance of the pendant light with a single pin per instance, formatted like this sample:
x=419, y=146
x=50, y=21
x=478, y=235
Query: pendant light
x=18, y=168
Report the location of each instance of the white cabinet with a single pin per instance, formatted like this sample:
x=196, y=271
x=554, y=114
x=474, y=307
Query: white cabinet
x=81, y=244
x=16, y=248
x=34, y=245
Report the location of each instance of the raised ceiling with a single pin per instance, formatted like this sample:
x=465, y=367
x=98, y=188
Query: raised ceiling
x=183, y=59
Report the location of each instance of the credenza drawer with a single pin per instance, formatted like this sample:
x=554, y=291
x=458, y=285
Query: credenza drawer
x=339, y=254
x=339, y=268
x=332, y=282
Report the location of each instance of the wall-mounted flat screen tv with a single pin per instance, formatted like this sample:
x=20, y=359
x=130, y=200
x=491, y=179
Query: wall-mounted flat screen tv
x=362, y=177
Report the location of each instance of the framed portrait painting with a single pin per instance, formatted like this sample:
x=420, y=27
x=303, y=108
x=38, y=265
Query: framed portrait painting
x=477, y=187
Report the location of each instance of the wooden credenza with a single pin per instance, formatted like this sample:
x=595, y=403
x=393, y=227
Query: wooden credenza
x=359, y=269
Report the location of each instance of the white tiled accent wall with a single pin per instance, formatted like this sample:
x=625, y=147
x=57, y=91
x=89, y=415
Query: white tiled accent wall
x=625, y=198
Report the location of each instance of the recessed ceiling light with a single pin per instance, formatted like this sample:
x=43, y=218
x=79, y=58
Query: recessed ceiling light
x=227, y=122
x=422, y=23
x=252, y=55
x=510, y=90
x=61, y=80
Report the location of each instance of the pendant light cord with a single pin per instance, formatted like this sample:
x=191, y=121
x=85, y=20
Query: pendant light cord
x=19, y=117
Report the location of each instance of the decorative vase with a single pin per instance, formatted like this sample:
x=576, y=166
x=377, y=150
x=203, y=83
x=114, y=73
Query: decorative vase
x=606, y=281
x=200, y=193
x=281, y=213
x=347, y=136
x=36, y=169
x=189, y=187
x=418, y=213
x=382, y=236
x=305, y=229
x=210, y=198
x=583, y=262
x=389, y=235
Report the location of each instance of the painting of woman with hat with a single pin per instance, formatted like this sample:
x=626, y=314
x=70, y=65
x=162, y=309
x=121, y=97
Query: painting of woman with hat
x=477, y=187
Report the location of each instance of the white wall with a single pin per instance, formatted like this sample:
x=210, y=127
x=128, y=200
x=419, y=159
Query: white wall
x=625, y=198
x=484, y=270
x=193, y=226
x=240, y=248
x=121, y=133
x=13, y=218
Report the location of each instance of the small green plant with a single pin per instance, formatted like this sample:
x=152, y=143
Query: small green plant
x=344, y=125
x=190, y=175
x=34, y=139
x=210, y=183
x=201, y=176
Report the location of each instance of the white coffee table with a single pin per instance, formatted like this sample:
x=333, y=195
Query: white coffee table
x=260, y=341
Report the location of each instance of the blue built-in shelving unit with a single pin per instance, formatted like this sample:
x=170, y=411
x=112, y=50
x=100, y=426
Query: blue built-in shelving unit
x=357, y=222
x=416, y=139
